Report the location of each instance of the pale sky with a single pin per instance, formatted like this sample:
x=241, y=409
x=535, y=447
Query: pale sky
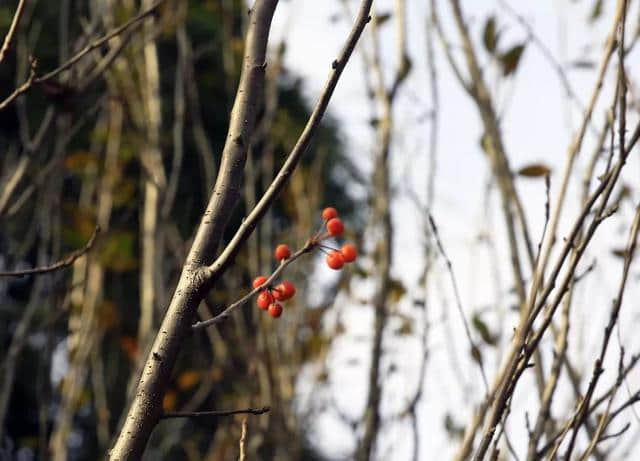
x=538, y=125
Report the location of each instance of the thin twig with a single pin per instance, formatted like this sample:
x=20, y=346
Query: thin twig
x=243, y=437
x=214, y=413
x=615, y=434
x=607, y=395
x=99, y=42
x=69, y=260
x=446, y=46
x=32, y=79
x=546, y=52
x=22, y=88
x=12, y=30
x=474, y=347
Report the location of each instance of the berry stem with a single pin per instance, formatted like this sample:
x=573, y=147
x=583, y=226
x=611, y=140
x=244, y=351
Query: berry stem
x=327, y=247
x=221, y=317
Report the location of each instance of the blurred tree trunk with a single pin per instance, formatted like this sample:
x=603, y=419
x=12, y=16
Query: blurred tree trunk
x=154, y=181
x=381, y=219
x=84, y=330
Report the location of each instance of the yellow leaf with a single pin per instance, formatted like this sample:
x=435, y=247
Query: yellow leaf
x=169, y=401
x=534, y=170
x=79, y=161
x=188, y=379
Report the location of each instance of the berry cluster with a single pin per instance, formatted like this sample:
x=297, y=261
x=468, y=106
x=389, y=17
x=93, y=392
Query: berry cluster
x=348, y=253
x=270, y=297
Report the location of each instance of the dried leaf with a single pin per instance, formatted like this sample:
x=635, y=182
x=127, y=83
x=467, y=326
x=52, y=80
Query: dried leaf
x=535, y=170
x=510, y=59
x=476, y=354
x=382, y=18
x=396, y=291
x=79, y=161
x=405, y=329
x=490, y=35
x=619, y=252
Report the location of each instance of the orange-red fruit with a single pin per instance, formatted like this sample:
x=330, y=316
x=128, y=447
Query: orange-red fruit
x=259, y=281
x=335, y=260
x=335, y=227
x=282, y=252
x=278, y=294
x=283, y=291
x=329, y=213
x=265, y=298
x=349, y=252
x=275, y=310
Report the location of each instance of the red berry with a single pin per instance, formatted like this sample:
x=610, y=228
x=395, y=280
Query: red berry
x=329, y=213
x=278, y=293
x=349, y=252
x=335, y=260
x=275, y=310
x=282, y=252
x=283, y=291
x=264, y=299
x=259, y=281
x=335, y=227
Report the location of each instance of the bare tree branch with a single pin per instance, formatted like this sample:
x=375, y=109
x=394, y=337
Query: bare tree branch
x=66, y=262
x=12, y=29
x=214, y=413
x=475, y=351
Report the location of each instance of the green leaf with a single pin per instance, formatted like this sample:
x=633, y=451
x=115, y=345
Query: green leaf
x=596, y=12
x=510, y=59
x=396, y=291
x=483, y=330
x=118, y=252
x=535, y=170
x=490, y=35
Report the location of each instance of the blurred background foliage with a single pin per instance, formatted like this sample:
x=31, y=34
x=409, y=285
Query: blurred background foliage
x=248, y=361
